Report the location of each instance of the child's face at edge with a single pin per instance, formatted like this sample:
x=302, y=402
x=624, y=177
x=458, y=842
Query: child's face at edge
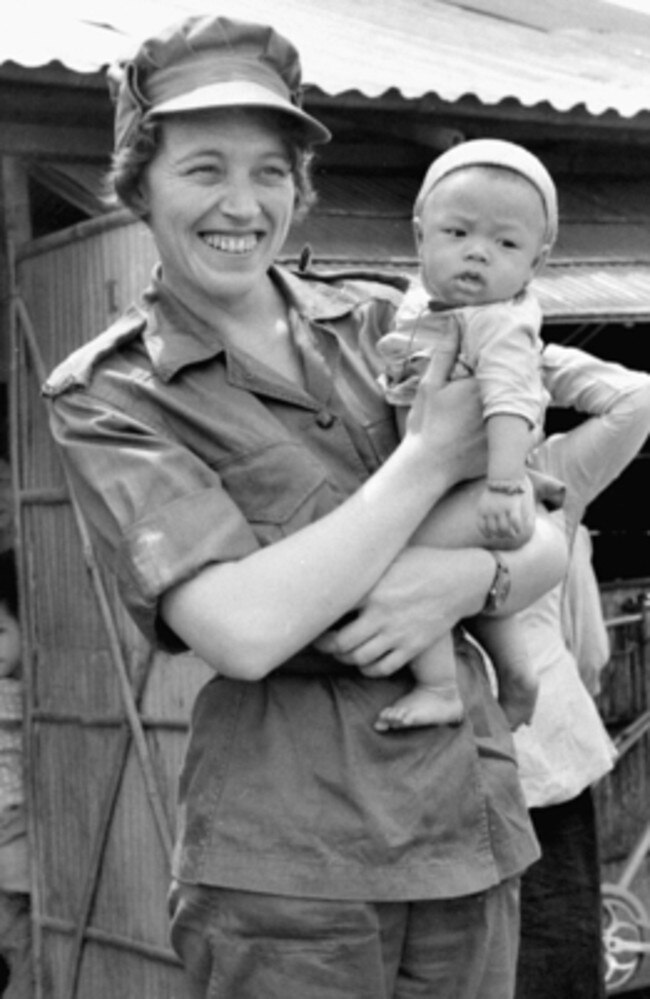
x=480, y=236
x=9, y=642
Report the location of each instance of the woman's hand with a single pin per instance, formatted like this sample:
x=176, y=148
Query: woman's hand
x=421, y=597
x=426, y=591
x=449, y=422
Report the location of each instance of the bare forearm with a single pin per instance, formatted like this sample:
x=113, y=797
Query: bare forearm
x=534, y=569
x=245, y=618
x=578, y=380
x=509, y=441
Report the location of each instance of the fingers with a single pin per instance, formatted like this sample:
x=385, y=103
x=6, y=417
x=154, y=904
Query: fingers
x=374, y=655
x=501, y=527
x=362, y=654
x=343, y=641
x=386, y=666
x=459, y=398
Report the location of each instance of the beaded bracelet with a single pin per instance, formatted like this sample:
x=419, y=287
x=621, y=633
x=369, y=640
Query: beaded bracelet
x=508, y=487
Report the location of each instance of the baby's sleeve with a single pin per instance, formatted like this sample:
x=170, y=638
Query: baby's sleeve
x=503, y=348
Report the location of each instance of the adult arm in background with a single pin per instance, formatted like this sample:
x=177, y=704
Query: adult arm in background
x=616, y=401
x=589, y=458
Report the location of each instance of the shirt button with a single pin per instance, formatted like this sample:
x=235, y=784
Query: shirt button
x=325, y=420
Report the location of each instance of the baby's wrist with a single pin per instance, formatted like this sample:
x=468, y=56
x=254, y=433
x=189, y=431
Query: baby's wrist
x=507, y=487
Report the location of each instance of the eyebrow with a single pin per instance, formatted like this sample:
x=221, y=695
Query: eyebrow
x=208, y=152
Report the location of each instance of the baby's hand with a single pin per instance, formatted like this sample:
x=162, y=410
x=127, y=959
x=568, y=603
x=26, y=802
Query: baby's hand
x=506, y=511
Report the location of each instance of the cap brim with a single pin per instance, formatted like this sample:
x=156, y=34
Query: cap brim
x=235, y=93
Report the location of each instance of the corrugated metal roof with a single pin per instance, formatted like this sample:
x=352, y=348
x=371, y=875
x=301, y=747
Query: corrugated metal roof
x=569, y=53
x=568, y=292
x=589, y=292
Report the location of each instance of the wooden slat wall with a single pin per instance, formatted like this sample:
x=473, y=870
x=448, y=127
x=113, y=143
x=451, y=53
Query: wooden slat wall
x=101, y=869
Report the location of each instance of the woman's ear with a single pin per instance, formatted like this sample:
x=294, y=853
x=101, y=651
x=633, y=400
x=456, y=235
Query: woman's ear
x=139, y=202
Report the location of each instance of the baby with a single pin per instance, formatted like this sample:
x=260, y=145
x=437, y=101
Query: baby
x=485, y=221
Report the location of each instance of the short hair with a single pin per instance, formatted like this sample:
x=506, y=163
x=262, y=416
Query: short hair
x=9, y=582
x=130, y=162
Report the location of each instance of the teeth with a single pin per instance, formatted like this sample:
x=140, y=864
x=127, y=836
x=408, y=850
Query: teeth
x=231, y=244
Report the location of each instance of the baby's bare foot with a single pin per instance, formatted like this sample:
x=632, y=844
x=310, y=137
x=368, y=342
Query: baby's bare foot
x=423, y=706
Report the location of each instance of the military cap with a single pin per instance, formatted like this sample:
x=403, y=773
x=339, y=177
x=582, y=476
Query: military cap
x=206, y=62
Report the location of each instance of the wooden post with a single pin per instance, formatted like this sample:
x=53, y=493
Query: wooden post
x=15, y=229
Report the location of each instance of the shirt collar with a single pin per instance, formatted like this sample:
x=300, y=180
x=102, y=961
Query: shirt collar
x=176, y=337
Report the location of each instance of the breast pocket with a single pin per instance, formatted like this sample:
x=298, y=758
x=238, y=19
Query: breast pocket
x=279, y=489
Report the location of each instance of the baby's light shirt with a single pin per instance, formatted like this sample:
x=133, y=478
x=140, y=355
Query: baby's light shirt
x=499, y=343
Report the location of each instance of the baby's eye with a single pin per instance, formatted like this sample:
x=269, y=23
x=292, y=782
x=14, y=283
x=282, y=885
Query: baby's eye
x=509, y=244
x=455, y=231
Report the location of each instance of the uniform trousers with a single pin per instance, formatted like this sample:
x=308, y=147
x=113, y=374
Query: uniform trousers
x=243, y=945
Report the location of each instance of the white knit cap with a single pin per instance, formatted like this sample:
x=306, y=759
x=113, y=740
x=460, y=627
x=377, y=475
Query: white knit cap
x=498, y=153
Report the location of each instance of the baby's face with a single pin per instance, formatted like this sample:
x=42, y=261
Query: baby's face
x=9, y=643
x=481, y=236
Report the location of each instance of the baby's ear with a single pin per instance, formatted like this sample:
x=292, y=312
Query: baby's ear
x=417, y=231
x=540, y=260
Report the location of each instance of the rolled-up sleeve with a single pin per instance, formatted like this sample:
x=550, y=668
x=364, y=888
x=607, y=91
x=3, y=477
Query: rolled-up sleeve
x=157, y=512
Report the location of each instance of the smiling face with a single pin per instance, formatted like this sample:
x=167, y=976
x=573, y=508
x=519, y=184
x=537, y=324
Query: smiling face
x=481, y=236
x=220, y=196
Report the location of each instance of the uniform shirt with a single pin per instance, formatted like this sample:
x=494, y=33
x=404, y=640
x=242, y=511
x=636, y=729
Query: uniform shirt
x=184, y=453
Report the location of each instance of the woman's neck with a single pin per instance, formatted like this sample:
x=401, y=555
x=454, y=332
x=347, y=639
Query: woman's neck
x=255, y=323
x=258, y=325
